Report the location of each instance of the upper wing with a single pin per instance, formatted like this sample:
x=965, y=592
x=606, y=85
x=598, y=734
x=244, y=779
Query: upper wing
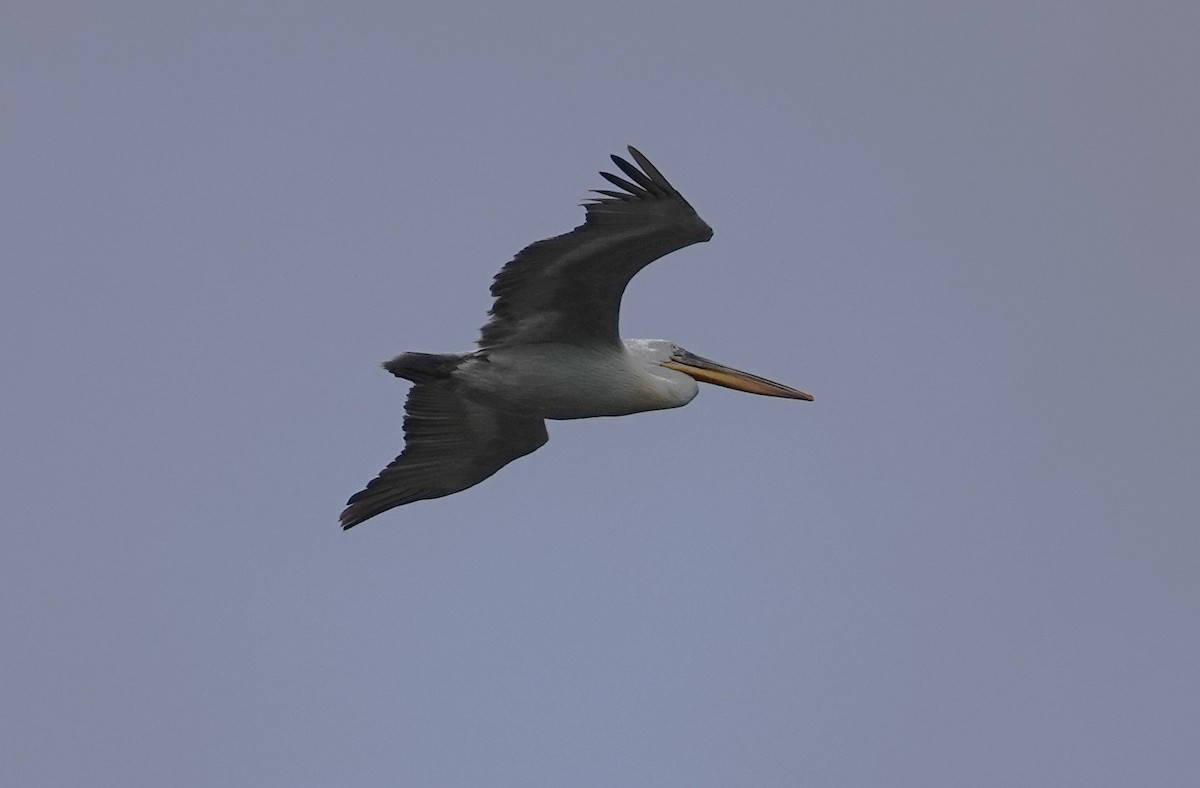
x=568, y=288
x=450, y=444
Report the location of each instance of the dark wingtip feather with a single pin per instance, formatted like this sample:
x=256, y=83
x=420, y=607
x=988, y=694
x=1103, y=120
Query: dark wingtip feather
x=650, y=169
x=641, y=178
x=633, y=189
x=348, y=519
x=356, y=510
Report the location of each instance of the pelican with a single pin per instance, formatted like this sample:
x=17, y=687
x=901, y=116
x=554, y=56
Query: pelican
x=551, y=350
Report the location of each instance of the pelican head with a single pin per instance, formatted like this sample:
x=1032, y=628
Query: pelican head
x=664, y=353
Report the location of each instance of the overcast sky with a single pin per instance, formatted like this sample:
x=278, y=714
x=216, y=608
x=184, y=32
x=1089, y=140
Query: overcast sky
x=971, y=230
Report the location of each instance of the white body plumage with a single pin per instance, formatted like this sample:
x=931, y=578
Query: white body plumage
x=553, y=380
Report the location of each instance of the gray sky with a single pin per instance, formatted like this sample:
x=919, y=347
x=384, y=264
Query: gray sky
x=969, y=229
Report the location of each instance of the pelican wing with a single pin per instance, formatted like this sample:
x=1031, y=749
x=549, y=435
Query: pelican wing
x=568, y=288
x=450, y=444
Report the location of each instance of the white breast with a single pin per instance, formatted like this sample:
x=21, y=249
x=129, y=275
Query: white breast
x=560, y=381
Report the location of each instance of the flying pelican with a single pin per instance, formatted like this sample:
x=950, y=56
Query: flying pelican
x=551, y=350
